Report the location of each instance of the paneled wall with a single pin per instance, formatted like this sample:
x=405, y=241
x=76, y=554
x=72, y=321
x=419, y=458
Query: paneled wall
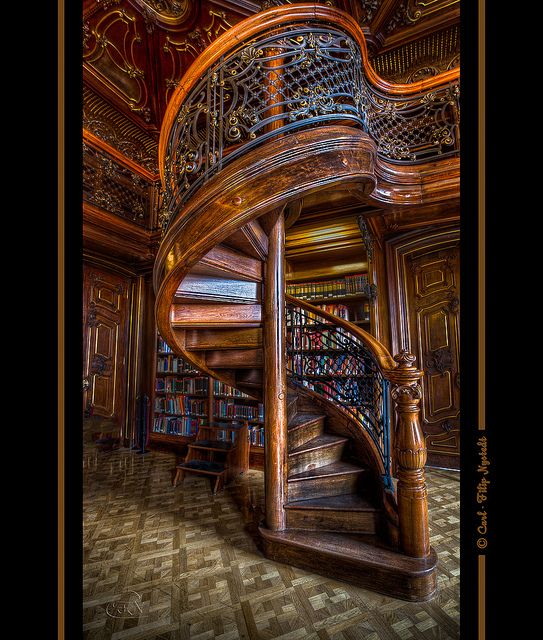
x=424, y=294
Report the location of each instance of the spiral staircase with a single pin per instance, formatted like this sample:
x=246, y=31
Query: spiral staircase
x=282, y=105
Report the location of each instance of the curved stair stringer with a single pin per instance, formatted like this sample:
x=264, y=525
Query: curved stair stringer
x=265, y=179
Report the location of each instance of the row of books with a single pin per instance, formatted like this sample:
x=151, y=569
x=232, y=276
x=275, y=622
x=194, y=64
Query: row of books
x=222, y=389
x=300, y=339
x=184, y=426
x=178, y=426
x=341, y=365
x=172, y=364
x=348, y=285
x=256, y=436
x=181, y=404
x=163, y=347
x=339, y=310
x=228, y=409
x=182, y=385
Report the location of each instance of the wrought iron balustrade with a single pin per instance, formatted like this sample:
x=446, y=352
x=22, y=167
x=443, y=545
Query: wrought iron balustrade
x=301, y=77
x=333, y=362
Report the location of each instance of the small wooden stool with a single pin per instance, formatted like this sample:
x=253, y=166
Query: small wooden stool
x=202, y=467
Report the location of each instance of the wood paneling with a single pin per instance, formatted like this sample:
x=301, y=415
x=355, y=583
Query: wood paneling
x=105, y=341
x=424, y=290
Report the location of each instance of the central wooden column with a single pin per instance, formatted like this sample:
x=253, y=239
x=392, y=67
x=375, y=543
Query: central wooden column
x=275, y=378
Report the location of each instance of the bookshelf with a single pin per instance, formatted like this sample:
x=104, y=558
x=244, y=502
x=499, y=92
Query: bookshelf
x=347, y=297
x=184, y=400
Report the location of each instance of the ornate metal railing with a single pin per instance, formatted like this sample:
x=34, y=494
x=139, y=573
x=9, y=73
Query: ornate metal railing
x=336, y=364
x=300, y=77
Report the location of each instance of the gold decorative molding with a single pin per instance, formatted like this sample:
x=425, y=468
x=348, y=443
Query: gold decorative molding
x=111, y=58
x=193, y=43
x=166, y=13
x=417, y=9
x=109, y=125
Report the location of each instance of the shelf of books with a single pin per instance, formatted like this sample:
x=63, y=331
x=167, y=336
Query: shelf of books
x=346, y=297
x=184, y=399
x=233, y=404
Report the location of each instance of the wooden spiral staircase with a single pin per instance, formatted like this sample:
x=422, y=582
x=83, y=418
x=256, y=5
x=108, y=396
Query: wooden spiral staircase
x=219, y=278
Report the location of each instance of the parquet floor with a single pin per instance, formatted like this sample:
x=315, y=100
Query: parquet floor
x=169, y=564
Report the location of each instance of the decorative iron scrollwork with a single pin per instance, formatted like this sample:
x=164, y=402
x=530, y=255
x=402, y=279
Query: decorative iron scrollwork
x=336, y=364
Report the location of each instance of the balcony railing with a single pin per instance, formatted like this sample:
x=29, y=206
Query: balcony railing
x=274, y=78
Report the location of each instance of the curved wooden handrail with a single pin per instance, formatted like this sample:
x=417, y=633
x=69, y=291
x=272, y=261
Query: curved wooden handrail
x=267, y=20
x=378, y=350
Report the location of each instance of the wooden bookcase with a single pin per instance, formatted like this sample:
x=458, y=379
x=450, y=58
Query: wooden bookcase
x=347, y=297
x=184, y=399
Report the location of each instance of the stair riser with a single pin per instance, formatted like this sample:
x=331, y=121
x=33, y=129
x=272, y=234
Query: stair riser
x=298, y=437
x=315, y=459
x=292, y=409
x=323, y=487
x=329, y=520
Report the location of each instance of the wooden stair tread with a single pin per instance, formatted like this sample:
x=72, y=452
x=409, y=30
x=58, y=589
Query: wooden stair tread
x=211, y=445
x=334, y=469
x=320, y=442
x=347, y=502
x=203, y=466
x=302, y=419
x=340, y=546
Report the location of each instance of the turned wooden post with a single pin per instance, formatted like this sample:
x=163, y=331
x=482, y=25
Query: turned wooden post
x=275, y=378
x=410, y=453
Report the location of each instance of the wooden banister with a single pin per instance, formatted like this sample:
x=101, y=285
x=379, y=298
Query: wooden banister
x=409, y=450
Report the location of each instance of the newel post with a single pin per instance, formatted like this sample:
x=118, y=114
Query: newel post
x=410, y=453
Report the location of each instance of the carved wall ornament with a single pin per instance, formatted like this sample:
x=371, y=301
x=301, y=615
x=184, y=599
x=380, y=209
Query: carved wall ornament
x=439, y=360
x=454, y=302
x=367, y=238
x=447, y=426
x=92, y=320
x=368, y=9
x=398, y=18
x=100, y=365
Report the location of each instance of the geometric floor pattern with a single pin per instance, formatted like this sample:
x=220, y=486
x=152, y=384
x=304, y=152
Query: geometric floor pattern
x=170, y=564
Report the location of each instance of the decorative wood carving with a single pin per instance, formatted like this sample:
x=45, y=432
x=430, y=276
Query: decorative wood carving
x=410, y=454
x=115, y=52
x=111, y=126
x=115, y=188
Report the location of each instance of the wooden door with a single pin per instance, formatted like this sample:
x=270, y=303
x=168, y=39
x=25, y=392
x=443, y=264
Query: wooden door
x=425, y=299
x=105, y=342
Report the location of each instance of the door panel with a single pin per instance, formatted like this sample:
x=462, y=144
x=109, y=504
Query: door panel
x=105, y=317
x=425, y=294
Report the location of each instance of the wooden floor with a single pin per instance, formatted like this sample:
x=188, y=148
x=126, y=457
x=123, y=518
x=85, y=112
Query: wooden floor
x=167, y=564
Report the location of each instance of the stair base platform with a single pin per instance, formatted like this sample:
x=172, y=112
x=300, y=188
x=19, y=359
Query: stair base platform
x=354, y=561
